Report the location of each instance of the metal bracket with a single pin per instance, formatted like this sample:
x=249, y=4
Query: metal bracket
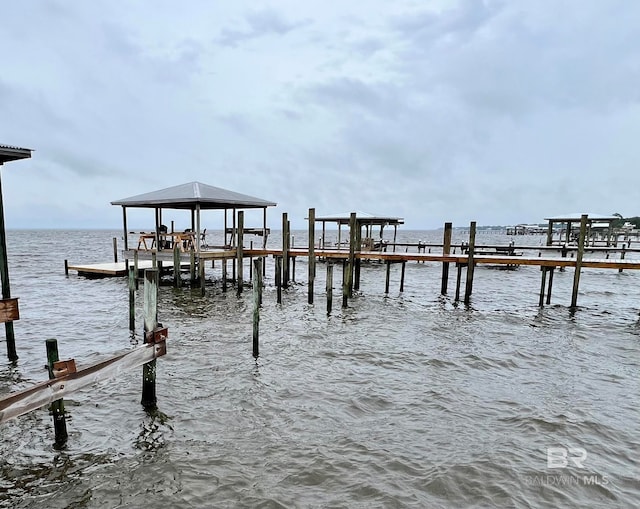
x=157, y=335
x=62, y=368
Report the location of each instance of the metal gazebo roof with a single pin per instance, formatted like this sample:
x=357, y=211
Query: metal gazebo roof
x=573, y=218
x=9, y=153
x=361, y=217
x=192, y=194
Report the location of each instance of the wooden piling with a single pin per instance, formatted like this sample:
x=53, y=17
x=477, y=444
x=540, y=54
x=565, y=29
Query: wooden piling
x=132, y=298
x=192, y=267
x=115, y=249
x=57, y=407
x=352, y=252
x=576, y=274
x=387, y=278
x=135, y=266
x=551, y=271
x=542, y=286
x=6, y=287
x=292, y=259
x=177, y=280
x=201, y=276
x=285, y=250
x=240, y=252
x=329, y=287
x=224, y=275
x=345, y=284
x=312, y=256
x=257, y=299
x=446, y=249
x=470, y=264
x=357, y=261
x=149, y=399
x=458, y=280
x=402, y=276
x=66, y=268
x=279, y=278
x=622, y=255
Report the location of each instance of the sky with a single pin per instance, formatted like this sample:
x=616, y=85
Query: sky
x=499, y=112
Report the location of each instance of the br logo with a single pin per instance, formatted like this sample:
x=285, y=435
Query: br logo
x=561, y=457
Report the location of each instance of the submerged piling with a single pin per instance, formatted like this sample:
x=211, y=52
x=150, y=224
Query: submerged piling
x=240, y=253
x=470, y=264
x=446, y=249
x=257, y=300
x=329, y=287
x=312, y=256
x=177, y=280
x=57, y=407
x=576, y=274
x=285, y=250
x=279, y=278
x=132, y=299
x=149, y=399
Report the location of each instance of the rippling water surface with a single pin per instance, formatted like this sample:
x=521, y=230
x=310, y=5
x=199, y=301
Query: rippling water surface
x=405, y=400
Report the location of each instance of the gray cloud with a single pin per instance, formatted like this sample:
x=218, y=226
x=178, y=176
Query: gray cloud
x=257, y=24
x=495, y=111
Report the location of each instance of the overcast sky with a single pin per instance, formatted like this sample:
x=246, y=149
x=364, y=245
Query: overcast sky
x=497, y=111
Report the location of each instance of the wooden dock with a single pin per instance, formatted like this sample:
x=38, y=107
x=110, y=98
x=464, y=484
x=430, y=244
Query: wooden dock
x=114, y=269
x=468, y=256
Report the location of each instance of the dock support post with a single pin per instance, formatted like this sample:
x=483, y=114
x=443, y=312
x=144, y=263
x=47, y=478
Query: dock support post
x=240, y=252
x=201, y=276
x=622, y=255
x=115, y=249
x=402, y=276
x=312, y=255
x=285, y=250
x=329, y=287
x=357, y=261
x=543, y=284
x=257, y=300
x=352, y=252
x=345, y=284
x=6, y=287
x=551, y=271
x=177, y=280
x=279, y=278
x=57, y=407
x=386, y=281
x=446, y=249
x=576, y=274
x=135, y=266
x=66, y=268
x=192, y=267
x=149, y=399
x=471, y=247
x=132, y=298
x=458, y=280
x=224, y=275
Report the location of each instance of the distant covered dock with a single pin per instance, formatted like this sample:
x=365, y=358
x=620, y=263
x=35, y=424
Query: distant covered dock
x=596, y=224
x=363, y=220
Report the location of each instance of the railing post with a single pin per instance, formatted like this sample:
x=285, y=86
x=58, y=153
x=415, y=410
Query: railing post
x=57, y=407
x=149, y=400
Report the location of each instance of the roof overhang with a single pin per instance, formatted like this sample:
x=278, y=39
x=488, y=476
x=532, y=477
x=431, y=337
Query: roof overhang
x=361, y=218
x=8, y=153
x=194, y=195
